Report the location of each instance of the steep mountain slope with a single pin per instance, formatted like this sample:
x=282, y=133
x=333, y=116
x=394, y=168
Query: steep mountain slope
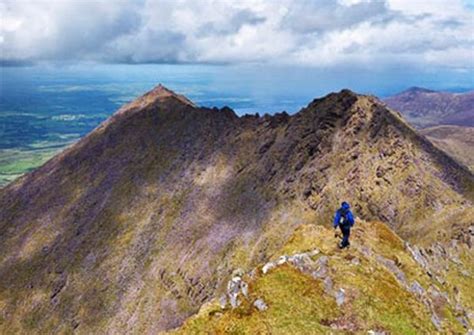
x=424, y=107
x=137, y=225
x=314, y=288
x=457, y=141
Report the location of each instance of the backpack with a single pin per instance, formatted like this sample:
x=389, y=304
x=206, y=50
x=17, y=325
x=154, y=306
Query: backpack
x=343, y=220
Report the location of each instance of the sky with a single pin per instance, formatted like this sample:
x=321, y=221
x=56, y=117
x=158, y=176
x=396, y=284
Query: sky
x=326, y=34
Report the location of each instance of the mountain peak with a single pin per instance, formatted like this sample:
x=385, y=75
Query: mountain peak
x=347, y=92
x=416, y=89
x=161, y=89
x=159, y=94
x=151, y=212
x=424, y=108
x=334, y=106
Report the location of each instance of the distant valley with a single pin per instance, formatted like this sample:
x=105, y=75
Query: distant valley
x=236, y=168
x=34, y=133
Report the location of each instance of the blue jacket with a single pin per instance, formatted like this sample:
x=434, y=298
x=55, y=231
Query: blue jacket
x=345, y=214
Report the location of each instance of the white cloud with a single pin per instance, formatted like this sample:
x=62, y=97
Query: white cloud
x=318, y=33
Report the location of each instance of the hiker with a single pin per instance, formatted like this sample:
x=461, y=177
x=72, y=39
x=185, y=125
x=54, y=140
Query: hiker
x=345, y=220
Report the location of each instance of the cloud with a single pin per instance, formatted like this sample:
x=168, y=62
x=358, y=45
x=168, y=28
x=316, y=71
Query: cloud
x=320, y=33
x=231, y=25
x=327, y=15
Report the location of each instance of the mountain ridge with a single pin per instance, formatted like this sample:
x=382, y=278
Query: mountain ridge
x=381, y=284
x=424, y=108
x=418, y=89
x=138, y=224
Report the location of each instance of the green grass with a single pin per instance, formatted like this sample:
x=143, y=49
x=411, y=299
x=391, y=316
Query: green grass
x=296, y=306
x=297, y=303
x=15, y=163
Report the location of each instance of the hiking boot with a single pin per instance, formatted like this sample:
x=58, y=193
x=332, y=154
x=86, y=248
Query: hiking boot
x=342, y=246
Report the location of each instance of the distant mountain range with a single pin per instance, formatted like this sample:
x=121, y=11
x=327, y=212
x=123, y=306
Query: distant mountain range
x=425, y=108
x=446, y=119
x=167, y=210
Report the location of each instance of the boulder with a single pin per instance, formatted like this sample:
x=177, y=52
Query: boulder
x=282, y=260
x=234, y=287
x=301, y=261
x=340, y=297
x=260, y=305
x=366, y=251
x=267, y=267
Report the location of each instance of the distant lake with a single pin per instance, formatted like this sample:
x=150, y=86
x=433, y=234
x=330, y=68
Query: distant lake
x=45, y=108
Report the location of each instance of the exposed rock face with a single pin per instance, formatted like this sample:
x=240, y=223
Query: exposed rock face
x=393, y=268
x=141, y=222
x=375, y=298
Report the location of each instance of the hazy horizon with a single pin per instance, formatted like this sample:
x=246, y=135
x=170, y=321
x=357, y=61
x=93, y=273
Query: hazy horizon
x=65, y=66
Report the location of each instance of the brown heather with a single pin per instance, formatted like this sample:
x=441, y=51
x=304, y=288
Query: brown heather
x=140, y=223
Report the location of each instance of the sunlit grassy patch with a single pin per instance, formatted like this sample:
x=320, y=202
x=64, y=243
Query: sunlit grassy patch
x=298, y=303
x=14, y=163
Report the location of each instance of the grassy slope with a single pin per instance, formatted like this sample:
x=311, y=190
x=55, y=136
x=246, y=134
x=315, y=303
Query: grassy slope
x=298, y=304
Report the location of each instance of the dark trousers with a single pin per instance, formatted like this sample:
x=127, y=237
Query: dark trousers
x=346, y=232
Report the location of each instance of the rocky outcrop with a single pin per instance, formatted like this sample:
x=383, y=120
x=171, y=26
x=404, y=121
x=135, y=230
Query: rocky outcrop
x=343, y=289
x=439, y=261
x=148, y=214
